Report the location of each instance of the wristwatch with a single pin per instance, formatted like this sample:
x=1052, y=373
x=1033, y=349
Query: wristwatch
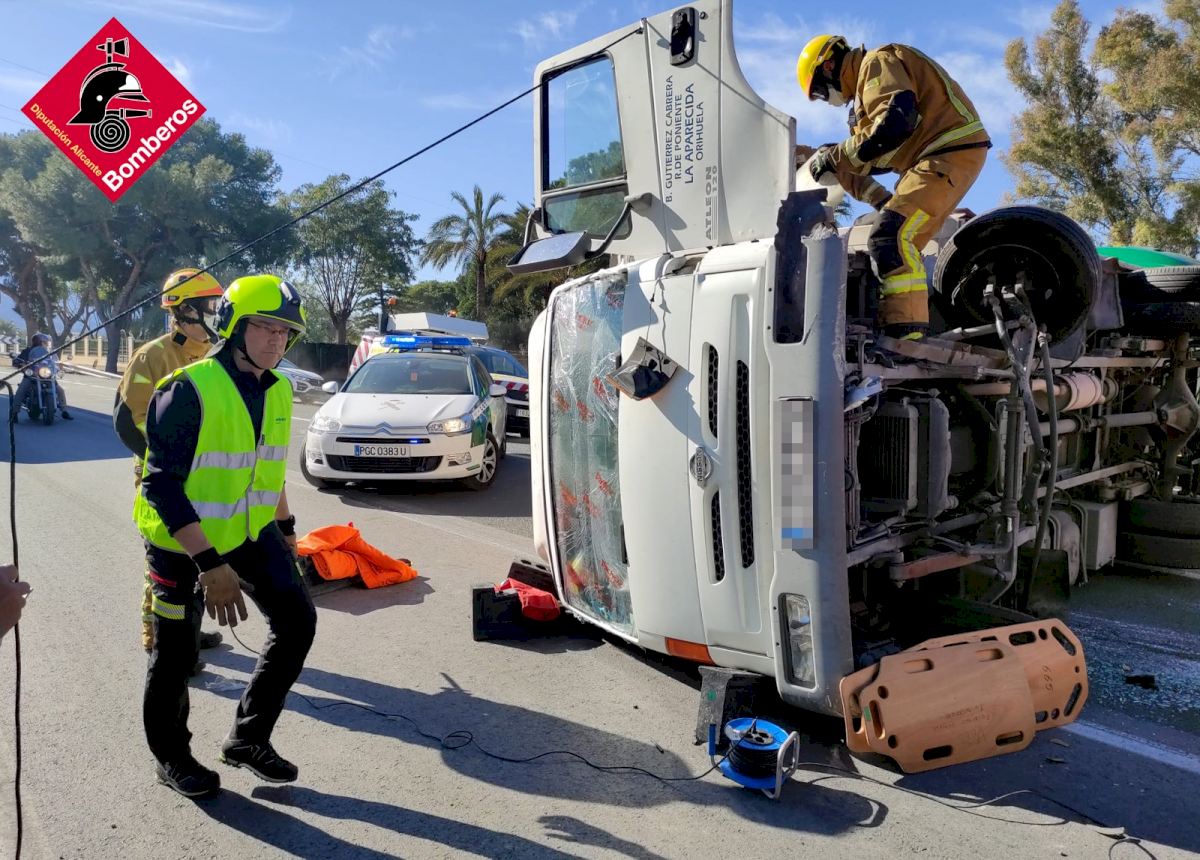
x=288, y=526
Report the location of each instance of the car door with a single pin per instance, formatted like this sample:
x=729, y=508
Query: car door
x=496, y=405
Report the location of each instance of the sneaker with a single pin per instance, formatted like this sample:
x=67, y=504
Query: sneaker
x=67, y=416
x=211, y=640
x=259, y=759
x=188, y=777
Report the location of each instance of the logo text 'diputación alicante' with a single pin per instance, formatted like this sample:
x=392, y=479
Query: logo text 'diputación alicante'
x=113, y=109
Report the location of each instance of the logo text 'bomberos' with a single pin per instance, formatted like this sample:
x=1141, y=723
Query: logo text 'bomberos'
x=132, y=107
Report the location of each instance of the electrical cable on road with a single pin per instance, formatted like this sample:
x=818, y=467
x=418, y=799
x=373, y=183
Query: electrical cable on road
x=4, y=382
x=460, y=738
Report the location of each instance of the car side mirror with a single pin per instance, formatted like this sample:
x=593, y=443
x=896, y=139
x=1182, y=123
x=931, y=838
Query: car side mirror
x=330, y=388
x=498, y=390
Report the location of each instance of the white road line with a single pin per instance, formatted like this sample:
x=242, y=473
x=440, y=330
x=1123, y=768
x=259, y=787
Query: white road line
x=1137, y=746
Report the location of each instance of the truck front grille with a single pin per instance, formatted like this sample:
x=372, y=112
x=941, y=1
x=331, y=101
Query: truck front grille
x=713, y=399
x=744, y=478
x=718, y=539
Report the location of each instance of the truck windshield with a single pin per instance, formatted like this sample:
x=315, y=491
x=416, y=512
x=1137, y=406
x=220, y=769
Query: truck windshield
x=583, y=150
x=416, y=374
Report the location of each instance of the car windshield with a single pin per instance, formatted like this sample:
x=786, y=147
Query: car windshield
x=501, y=362
x=412, y=374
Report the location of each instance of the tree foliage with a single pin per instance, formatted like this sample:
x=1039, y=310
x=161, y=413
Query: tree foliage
x=1111, y=137
x=350, y=250
x=207, y=195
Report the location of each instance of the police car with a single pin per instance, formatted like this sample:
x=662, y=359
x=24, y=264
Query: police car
x=510, y=373
x=423, y=410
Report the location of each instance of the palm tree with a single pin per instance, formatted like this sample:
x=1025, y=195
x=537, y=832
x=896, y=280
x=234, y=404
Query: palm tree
x=466, y=238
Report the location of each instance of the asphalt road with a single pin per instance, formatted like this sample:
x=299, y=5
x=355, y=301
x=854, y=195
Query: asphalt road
x=372, y=786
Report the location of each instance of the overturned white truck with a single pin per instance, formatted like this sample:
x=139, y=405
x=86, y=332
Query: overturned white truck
x=703, y=488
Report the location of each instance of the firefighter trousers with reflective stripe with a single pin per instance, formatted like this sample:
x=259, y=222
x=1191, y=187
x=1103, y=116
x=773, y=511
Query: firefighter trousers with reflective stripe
x=269, y=576
x=925, y=196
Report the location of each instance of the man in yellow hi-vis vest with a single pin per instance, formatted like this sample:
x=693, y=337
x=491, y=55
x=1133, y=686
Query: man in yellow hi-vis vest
x=907, y=116
x=191, y=298
x=215, y=518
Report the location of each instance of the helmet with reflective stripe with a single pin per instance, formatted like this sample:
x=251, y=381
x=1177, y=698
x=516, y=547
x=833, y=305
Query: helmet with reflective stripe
x=808, y=67
x=177, y=288
x=266, y=296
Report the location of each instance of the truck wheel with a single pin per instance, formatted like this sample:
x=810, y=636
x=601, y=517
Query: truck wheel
x=1175, y=519
x=1054, y=254
x=1155, y=317
x=1159, y=551
x=1173, y=279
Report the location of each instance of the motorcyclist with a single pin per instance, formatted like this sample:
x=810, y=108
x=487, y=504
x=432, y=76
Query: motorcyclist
x=38, y=352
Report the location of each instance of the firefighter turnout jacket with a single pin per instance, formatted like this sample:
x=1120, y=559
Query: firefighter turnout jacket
x=906, y=108
x=150, y=364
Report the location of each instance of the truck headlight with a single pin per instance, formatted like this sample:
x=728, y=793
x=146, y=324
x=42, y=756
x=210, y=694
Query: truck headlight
x=451, y=426
x=797, y=637
x=324, y=424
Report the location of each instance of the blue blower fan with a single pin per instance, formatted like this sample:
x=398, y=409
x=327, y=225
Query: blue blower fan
x=761, y=755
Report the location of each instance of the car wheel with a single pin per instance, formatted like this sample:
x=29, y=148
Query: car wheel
x=319, y=483
x=486, y=475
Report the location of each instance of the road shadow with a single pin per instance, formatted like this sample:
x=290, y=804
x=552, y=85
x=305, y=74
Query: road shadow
x=89, y=437
x=447, y=832
x=357, y=600
x=556, y=748
x=509, y=496
x=279, y=830
x=1084, y=782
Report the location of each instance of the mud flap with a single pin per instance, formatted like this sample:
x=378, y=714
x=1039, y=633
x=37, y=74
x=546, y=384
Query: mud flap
x=966, y=697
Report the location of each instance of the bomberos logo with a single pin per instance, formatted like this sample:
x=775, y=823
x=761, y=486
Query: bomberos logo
x=113, y=115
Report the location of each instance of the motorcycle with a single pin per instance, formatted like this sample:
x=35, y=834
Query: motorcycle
x=38, y=392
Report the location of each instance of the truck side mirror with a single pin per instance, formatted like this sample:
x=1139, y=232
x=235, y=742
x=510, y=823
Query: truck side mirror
x=553, y=252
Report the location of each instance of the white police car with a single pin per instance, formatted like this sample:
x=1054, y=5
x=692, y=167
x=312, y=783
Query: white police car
x=425, y=410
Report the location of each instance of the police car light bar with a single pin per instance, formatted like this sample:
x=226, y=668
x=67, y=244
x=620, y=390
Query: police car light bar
x=412, y=341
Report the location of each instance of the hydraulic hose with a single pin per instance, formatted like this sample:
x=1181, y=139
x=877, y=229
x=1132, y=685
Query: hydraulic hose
x=1052, y=442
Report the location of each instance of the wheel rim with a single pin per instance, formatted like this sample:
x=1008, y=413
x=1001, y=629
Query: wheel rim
x=487, y=470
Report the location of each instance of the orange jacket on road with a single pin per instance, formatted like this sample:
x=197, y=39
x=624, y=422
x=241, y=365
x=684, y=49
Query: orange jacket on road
x=339, y=552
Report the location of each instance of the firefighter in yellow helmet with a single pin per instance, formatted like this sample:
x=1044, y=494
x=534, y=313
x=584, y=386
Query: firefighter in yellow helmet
x=191, y=299
x=909, y=117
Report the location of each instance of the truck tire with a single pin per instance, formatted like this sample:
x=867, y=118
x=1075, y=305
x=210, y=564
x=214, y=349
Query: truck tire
x=1159, y=551
x=1160, y=317
x=1056, y=255
x=1174, y=279
x=1174, y=519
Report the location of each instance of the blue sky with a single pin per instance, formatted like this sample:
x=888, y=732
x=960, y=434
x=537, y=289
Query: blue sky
x=353, y=86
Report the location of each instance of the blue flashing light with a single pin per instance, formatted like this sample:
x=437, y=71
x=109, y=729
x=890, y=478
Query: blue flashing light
x=412, y=341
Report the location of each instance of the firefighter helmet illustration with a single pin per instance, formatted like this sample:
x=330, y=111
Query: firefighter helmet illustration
x=106, y=82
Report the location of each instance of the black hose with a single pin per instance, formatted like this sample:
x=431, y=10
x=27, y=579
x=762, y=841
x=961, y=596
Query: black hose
x=1052, y=477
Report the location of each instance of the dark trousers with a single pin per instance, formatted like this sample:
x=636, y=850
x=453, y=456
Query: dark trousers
x=269, y=576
